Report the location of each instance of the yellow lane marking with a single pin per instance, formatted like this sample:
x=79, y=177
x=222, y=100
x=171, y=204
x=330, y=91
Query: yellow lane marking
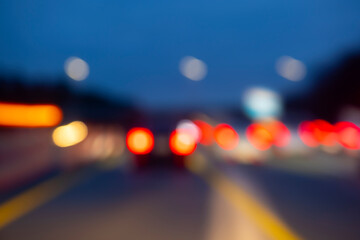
x=266, y=220
x=34, y=197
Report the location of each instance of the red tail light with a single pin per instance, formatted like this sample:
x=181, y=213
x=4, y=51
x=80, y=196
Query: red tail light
x=182, y=143
x=317, y=132
x=140, y=141
x=348, y=134
x=206, y=132
x=259, y=136
x=324, y=132
x=306, y=133
x=265, y=134
x=226, y=137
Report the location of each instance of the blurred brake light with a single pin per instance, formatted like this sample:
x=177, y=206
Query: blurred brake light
x=306, y=133
x=206, y=132
x=182, y=142
x=226, y=137
x=348, y=134
x=324, y=132
x=265, y=134
x=314, y=133
x=260, y=137
x=140, y=141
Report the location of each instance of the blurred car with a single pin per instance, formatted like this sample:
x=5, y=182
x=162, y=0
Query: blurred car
x=162, y=144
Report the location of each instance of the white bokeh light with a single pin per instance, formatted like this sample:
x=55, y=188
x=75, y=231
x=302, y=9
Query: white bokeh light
x=190, y=128
x=193, y=68
x=290, y=68
x=76, y=68
x=262, y=103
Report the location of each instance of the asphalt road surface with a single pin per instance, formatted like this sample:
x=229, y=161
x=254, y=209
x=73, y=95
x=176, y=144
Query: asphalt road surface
x=221, y=202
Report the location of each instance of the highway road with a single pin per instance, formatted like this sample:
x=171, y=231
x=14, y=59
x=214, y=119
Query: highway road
x=208, y=200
